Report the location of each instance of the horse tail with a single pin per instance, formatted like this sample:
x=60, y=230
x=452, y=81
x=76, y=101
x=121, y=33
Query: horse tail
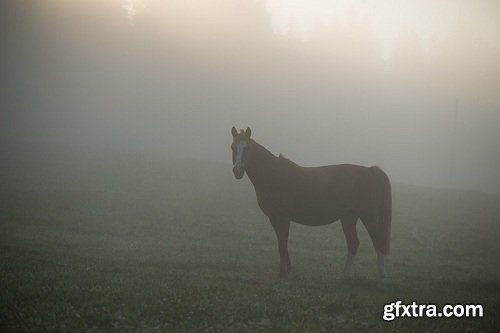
x=384, y=210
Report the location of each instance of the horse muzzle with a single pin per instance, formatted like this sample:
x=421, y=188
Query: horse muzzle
x=238, y=172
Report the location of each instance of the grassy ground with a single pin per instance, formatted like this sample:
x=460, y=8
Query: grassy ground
x=101, y=241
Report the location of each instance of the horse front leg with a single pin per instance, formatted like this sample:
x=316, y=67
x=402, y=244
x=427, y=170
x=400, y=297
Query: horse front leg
x=281, y=228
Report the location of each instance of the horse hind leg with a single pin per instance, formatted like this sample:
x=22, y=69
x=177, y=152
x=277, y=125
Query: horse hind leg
x=375, y=234
x=352, y=241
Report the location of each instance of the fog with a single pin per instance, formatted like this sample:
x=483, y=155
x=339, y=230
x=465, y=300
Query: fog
x=410, y=86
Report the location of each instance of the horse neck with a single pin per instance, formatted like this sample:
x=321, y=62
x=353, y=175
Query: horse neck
x=260, y=162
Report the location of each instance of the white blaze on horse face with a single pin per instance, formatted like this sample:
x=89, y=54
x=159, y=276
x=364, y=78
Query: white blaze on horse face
x=240, y=147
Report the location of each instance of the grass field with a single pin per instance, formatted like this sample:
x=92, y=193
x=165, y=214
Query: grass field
x=101, y=241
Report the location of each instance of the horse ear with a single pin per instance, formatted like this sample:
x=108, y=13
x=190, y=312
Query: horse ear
x=248, y=132
x=234, y=132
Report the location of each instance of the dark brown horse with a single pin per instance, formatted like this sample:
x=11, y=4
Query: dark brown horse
x=316, y=196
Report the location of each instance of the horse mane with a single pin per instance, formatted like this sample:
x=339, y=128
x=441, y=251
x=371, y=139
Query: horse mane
x=281, y=160
x=285, y=159
x=262, y=148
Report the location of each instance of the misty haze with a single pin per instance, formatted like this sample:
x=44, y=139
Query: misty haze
x=119, y=207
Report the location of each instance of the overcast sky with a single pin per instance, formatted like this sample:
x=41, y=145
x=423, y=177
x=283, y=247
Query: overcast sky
x=324, y=82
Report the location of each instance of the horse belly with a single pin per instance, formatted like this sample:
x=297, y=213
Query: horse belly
x=315, y=215
x=315, y=221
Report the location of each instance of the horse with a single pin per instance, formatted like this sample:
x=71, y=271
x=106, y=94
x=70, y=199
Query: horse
x=316, y=196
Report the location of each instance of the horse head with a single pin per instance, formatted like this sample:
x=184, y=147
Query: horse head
x=240, y=147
